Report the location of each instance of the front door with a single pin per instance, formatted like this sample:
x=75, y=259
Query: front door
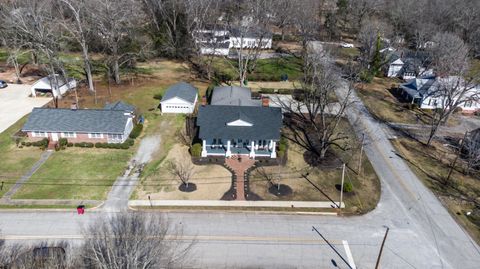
x=54, y=136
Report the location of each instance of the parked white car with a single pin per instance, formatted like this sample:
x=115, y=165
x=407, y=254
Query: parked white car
x=346, y=45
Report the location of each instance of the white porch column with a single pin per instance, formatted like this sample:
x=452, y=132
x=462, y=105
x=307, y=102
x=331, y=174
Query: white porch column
x=274, y=153
x=256, y=145
x=252, y=150
x=270, y=143
x=228, y=153
x=204, y=148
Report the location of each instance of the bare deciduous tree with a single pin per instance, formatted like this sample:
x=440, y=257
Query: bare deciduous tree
x=182, y=169
x=254, y=17
x=75, y=22
x=116, y=23
x=471, y=152
x=133, y=240
x=313, y=121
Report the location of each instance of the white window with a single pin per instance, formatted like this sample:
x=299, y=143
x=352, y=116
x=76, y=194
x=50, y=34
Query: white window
x=68, y=134
x=95, y=135
x=115, y=137
x=39, y=134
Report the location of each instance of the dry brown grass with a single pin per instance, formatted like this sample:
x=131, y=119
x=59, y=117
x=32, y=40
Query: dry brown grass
x=366, y=187
x=431, y=165
x=212, y=181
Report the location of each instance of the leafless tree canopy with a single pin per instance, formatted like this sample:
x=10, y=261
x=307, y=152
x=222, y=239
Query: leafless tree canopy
x=181, y=169
x=313, y=120
x=133, y=240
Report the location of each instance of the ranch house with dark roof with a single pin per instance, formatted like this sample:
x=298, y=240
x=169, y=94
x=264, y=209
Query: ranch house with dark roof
x=79, y=125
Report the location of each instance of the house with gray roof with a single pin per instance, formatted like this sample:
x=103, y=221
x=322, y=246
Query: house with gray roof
x=407, y=64
x=79, y=125
x=233, y=96
x=179, y=98
x=430, y=92
x=227, y=130
x=120, y=105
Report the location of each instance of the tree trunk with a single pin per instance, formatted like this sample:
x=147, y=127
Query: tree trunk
x=88, y=69
x=17, y=69
x=116, y=71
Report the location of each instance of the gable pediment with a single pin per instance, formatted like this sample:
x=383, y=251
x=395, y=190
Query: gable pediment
x=239, y=122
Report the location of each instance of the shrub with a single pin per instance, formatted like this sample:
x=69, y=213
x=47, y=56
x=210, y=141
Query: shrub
x=267, y=90
x=157, y=96
x=84, y=145
x=366, y=76
x=285, y=91
x=281, y=153
x=69, y=144
x=136, y=131
x=100, y=145
x=62, y=142
x=23, y=143
x=347, y=187
x=130, y=141
x=28, y=144
x=42, y=143
x=196, y=150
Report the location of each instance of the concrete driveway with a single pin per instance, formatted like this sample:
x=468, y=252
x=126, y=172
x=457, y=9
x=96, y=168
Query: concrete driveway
x=15, y=103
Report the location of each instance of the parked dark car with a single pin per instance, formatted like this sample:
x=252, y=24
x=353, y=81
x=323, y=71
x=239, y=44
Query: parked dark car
x=3, y=84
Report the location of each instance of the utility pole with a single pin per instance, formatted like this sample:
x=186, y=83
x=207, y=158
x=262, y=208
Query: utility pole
x=456, y=158
x=361, y=155
x=341, y=187
x=381, y=249
x=332, y=247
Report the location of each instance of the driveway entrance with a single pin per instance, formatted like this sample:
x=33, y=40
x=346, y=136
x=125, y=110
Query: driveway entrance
x=15, y=103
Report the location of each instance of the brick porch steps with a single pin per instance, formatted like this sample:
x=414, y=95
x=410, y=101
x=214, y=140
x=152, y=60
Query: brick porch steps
x=52, y=144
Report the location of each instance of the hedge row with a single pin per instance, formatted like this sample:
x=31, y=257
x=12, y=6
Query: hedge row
x=279, y=91
x=42, y=143
x=125, y=145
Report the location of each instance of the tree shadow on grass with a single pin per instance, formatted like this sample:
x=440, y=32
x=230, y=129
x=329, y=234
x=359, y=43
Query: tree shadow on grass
x=280, y=190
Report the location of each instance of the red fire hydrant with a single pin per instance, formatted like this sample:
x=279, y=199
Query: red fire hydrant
x=80, y=209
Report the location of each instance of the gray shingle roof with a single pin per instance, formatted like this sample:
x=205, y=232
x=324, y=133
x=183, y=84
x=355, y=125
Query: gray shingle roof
x=80, y=120
x=212, y=121
x=120, y=105
x=181, y=90
x=233, y=96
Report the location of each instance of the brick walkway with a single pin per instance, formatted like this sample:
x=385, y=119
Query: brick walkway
x=239, y=165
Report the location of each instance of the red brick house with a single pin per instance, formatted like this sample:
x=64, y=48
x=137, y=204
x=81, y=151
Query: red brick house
x=79, y=125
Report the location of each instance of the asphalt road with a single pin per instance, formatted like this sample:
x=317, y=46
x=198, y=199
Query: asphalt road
x=422, y=233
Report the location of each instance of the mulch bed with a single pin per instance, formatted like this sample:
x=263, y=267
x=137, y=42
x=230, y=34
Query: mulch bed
x=282, y=190
x=187, y=188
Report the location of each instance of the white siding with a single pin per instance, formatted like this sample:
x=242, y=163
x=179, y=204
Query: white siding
x=177, y=105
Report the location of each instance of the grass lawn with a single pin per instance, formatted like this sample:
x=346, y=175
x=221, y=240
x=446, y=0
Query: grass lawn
x=384, y=105
x=366, y=188
x=265, y=70
x=76, y=173
x=212, y=181
x=14, y=161
x=431, y=165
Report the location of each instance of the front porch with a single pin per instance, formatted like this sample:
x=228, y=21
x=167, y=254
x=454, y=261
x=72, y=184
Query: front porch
x=257, y=148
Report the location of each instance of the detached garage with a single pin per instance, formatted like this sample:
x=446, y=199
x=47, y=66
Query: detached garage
x=179, y=98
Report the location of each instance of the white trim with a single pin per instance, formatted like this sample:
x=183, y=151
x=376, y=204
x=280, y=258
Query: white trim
x=70, y=135
x=239, y=122
x=95, y=135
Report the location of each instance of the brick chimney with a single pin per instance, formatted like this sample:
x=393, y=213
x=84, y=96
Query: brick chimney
x=204, y=100
x=265, y=101
x=73, y=106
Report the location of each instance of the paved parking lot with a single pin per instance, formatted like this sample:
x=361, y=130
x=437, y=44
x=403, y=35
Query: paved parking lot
x=15, y=103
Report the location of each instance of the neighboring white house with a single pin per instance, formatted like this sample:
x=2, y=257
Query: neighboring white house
x=179, y=98
x=219, y=41
x=250, y=39
x=56, y=85
x=406, y=64
x=427, y=93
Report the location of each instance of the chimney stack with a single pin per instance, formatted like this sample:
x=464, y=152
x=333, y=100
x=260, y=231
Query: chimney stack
x=73, y=106
x=265, y=101
x=204, y=100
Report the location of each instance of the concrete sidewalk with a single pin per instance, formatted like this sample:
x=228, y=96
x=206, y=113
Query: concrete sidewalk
x=43, y=158
x=221, y=203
